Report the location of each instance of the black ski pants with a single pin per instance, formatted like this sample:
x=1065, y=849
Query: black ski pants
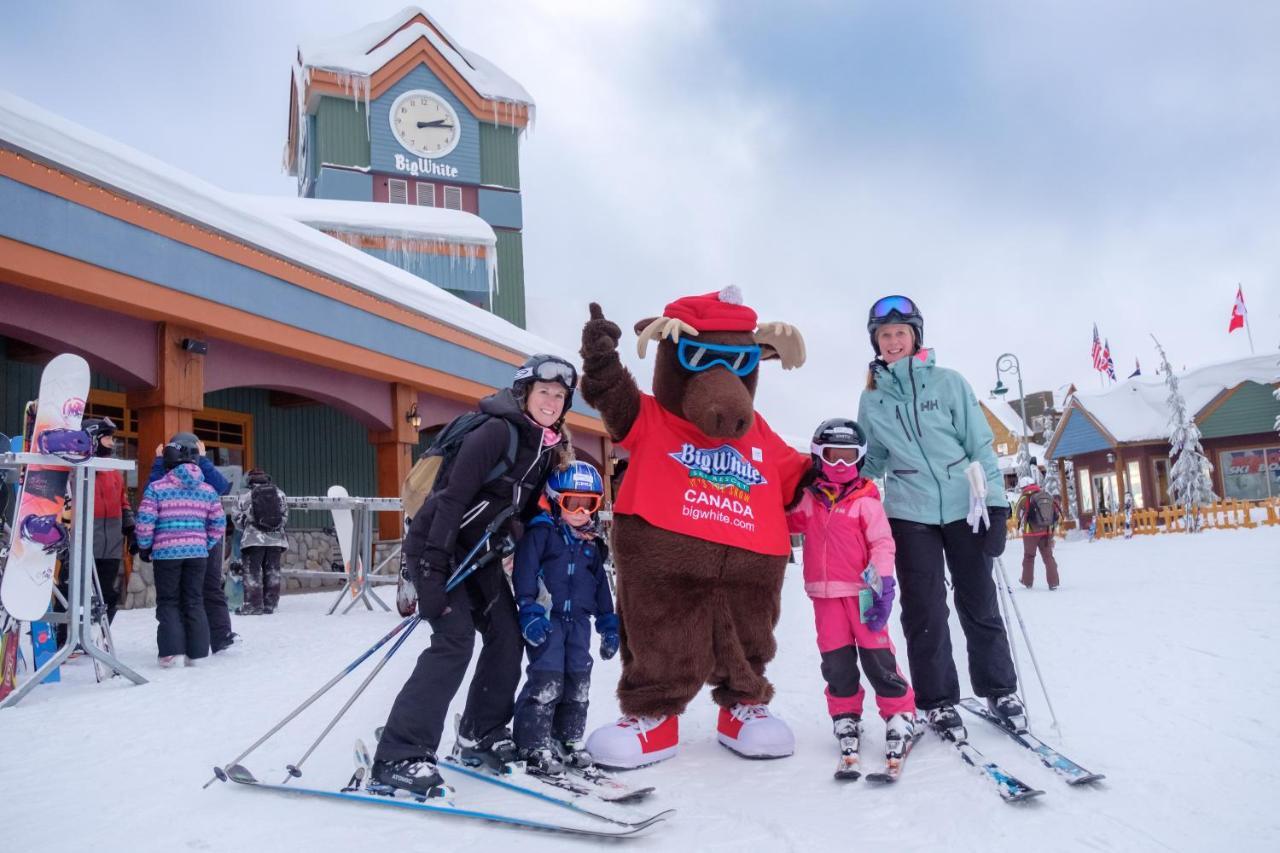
x=921, y=550
x=108, y=571
x=183, y=628
x=215, y=601
x=417, y=717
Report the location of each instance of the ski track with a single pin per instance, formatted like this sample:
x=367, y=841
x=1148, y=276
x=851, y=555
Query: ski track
x=1156, y=651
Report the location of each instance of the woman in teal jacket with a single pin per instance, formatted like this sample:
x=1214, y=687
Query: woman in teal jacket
x=924, y=427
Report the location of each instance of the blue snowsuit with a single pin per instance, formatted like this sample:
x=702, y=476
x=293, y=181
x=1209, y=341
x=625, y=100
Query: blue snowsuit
x=551, y=559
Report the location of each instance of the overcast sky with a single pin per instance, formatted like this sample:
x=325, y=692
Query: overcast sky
x=1020, y=169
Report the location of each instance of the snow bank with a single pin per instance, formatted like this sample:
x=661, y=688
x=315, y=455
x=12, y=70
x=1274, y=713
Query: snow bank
x=1138, y=409
x=112, y=164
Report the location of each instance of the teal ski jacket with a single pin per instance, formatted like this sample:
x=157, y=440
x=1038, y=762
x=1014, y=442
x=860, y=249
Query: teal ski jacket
x=924, y=426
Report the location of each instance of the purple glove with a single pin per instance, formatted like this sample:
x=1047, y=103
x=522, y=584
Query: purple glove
x=878, y=612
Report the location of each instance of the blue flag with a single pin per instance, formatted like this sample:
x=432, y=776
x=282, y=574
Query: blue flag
x=1137, y=369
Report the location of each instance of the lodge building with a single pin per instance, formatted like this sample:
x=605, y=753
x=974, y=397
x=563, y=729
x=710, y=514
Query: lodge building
x=322, y=338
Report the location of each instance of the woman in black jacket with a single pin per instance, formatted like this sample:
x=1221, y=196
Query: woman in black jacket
x=464, y=500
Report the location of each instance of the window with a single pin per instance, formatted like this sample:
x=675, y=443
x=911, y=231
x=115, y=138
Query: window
x=426, y=195
x=1134, y=477
x=1250, y=475
x=1161, y=468
x=453, y=198
x=1085, y=491
x=110, y=404
x=397, y=191
x=227, y=436
x=1002, y=449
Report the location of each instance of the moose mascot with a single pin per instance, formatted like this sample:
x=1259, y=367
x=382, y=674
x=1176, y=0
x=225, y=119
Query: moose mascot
x=699, y=537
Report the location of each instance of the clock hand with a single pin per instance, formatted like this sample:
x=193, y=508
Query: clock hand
x=437, y=123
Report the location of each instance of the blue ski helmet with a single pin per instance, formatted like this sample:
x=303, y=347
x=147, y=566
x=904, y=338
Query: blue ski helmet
x=577, y=478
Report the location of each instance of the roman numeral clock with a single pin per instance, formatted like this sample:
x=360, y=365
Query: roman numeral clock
x=425, y=124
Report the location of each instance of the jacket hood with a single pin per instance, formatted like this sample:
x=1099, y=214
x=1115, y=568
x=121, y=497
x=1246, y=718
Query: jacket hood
x=1031, y=489
x=188, y=474
x=504, y=404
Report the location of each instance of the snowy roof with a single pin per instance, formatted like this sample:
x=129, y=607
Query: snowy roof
x=49, y=137
x=369, y=48
x=1007, y=415
x=1138, y=409
x=371, y=217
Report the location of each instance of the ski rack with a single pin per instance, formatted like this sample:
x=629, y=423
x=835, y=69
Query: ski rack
x=359, y=581
x=79, y=613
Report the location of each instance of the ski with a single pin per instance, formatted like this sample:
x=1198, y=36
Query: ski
x=611, y=790
x=893, y=765
x=511, y=782
x=239, y=774
x=1071, y=772
x=1010, y=788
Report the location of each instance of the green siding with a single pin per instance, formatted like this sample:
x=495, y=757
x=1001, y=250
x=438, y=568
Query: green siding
x=508, y=303
x=20, y=382
x=499, y=156
x=1251, y=409
x=305, y=449
x=342, y=135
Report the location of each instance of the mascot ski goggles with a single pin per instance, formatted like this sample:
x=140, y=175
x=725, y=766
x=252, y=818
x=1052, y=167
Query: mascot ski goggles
x=697, y=357
x=843, y=455
x=885, y=307
x=577, y=503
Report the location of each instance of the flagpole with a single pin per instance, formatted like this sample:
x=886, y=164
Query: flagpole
x=1247, y=328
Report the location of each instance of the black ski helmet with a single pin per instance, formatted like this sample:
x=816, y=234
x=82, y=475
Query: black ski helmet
x=97, y=428
x=837, y=432
x=183, y=447
x=894, y=309
x=542, y=367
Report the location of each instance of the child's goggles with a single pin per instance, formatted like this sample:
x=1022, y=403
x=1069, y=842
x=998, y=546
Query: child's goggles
x=844, y=455
x=698, y=357
x=579, y=503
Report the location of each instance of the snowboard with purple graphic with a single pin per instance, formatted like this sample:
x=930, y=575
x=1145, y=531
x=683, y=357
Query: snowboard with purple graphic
x=38, y=533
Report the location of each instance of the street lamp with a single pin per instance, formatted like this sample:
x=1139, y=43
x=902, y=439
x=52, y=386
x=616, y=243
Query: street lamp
x=1008, y=363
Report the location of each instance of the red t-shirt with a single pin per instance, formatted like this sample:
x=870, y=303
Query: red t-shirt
x=727, y=491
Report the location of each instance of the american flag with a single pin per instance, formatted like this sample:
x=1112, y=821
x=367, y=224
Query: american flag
x=1099, y=360
x=1107, y=360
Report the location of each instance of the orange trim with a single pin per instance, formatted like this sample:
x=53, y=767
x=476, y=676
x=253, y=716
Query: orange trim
x=202, y=237
x=425, y=246
x=37, y=269
x=423, y=51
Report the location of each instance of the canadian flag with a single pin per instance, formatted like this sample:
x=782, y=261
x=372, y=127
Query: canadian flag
x=1237, y=311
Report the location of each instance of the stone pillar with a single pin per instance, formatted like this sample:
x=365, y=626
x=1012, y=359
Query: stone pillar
x=394, y=452
x=179, y=393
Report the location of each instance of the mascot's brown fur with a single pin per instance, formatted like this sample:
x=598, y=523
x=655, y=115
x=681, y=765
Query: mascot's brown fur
x=693, y=611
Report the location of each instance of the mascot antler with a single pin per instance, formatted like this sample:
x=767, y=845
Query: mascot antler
x=781, y=341
x=664, y=327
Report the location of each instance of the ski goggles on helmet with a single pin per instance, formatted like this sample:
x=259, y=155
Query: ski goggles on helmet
x=579, y=503
x=697, y=357
x=885, y=307
x=843, y=455
x=550, y=370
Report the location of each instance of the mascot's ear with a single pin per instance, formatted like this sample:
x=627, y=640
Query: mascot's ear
x=781, y=341
x=641, y=325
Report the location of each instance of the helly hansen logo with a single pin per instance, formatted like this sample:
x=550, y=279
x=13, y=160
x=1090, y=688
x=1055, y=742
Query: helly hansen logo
x=929, y=406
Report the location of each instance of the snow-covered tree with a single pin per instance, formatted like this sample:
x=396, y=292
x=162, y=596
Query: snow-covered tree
x=1069, y=469
x=1190, y=480
x=1022, y=464
x=1050, y=483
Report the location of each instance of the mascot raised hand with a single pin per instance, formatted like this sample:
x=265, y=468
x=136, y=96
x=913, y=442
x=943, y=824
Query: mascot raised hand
x=699, y=535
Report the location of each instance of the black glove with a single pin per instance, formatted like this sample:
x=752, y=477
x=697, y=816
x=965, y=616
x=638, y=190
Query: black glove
x=994, y=537
x=131, y=540
x=145, y=554
x=429, y=581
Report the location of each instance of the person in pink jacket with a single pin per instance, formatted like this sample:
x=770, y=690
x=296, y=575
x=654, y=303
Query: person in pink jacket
x=848, y=552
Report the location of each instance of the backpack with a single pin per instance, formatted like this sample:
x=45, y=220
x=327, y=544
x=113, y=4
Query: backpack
x=1041, y=511
x=434, y=463
x=267, y=509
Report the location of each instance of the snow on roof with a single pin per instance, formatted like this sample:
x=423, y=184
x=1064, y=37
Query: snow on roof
x=1007, y=415
x=360, y=53
x=371, y=217
x=1138, y=409
x=76, y=149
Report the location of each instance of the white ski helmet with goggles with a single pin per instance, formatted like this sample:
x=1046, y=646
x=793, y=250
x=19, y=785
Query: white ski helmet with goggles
x=838, y=435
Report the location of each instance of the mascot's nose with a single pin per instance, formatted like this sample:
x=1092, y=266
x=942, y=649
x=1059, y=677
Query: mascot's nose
x=718, y=403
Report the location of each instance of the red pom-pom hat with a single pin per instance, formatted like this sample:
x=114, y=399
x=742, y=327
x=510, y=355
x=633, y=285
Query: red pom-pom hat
x=720, y=311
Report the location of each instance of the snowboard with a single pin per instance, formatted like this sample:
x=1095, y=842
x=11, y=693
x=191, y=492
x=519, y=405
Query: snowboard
x=343, y=525
x=10, y=636
x=44, y=645
x=38, y=535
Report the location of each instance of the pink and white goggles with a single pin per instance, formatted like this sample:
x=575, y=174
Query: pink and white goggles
x=842, y=455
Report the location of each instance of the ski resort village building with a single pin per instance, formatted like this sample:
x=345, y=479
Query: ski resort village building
x=1118, y=440
x=316, y=337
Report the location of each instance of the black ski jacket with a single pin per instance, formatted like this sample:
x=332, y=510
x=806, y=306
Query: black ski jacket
x=461, y=504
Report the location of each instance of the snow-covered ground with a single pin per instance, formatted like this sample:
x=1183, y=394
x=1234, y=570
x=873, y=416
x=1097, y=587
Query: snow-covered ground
x=1160, y=654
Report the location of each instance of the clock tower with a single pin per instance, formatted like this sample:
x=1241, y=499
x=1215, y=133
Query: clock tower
x=399, y=113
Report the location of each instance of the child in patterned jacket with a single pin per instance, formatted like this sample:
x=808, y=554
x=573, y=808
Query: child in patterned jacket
x=179, y=520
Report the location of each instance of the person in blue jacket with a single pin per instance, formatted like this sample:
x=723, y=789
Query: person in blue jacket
x=925, y=428
x=560, y=583
x=215, y=599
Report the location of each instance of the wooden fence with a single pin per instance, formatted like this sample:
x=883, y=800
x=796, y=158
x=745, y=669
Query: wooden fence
x=1223, y=515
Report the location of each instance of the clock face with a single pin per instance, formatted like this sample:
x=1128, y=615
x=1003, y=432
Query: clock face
x=424, y=123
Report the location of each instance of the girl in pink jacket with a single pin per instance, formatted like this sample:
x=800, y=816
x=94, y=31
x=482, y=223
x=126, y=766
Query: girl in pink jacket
x=848, y=553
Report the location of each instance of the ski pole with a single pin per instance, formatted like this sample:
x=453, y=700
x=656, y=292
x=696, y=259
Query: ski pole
x=460, y=575
x=295, y=770
x=219, y=773
x=1002, y=595
x=1026, y=637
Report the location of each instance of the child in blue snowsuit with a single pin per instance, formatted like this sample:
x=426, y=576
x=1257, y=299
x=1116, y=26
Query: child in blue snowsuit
x=560, y=583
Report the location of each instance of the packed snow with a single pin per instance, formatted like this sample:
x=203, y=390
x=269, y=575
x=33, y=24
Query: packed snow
x=1157, y=652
